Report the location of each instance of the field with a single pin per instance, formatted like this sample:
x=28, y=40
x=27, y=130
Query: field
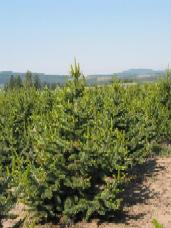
x=69, y=155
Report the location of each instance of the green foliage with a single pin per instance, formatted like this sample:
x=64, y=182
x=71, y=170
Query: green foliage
x=36, y=82
x=30, y=80
x=157, y=224
x=14, y=83
x=69, y=150
x=7, y=196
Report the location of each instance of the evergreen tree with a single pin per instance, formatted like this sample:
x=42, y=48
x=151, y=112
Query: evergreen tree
x=11, y=83
x=18, y=82
x=28, y=80
x=37, y=82
x=14, y=82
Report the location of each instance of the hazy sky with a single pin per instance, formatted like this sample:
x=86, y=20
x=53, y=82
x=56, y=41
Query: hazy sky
x=105, y=36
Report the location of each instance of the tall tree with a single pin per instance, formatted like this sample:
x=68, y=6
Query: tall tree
x=37, y=82
x=28, y=80
x=10, y=83
x=18, y=82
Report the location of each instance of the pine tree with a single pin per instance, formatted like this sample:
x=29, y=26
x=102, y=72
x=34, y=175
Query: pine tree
x=37, y=82
x=28, y=80
x=11, y=83
x=18, y=82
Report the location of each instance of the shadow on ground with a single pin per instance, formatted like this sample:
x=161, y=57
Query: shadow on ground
x=137, y=192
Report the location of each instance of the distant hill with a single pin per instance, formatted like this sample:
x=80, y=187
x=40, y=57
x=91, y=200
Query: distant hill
x=132, y=74
x=140, y=73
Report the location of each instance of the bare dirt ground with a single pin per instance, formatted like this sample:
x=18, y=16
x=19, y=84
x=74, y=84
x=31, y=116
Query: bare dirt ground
x=148, y=197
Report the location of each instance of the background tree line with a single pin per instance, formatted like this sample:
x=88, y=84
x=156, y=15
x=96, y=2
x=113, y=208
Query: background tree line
x=30, y=80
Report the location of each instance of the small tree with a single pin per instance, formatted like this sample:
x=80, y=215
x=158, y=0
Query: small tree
x=72, y=174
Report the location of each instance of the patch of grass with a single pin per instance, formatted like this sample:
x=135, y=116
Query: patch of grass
x=157, y=224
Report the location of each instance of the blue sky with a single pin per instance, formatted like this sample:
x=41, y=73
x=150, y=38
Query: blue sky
x=105, y=36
